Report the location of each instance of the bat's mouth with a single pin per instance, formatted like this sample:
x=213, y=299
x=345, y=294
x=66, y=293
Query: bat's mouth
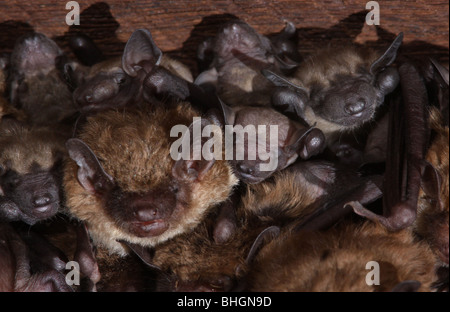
x=148, y=228
x=248, y=178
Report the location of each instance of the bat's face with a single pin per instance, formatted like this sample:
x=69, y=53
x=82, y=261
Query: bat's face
x=348, y=101
x=128, y=187
x=29, y=197
x=108, y=87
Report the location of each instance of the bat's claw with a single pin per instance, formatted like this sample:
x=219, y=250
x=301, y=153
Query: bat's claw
x=404, y=217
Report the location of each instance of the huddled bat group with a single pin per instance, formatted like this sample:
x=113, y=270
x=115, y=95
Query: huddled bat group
x=267, y=170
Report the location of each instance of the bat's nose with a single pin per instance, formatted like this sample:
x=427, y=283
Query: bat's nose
x=42, y=200
x=245, y=169
x=355, y=107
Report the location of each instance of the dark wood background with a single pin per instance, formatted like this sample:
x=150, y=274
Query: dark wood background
x=179, y=26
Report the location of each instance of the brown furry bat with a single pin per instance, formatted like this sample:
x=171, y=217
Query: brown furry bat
x=432, y=214
x=124, y=184
x=293, y=140
x=30, y=177
x=118, y=82
x=239, y=54
x=37, y=86
x=340, y=88
x=335, y=261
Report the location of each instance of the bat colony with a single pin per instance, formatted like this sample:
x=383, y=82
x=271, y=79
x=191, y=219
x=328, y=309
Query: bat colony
x=87, y=172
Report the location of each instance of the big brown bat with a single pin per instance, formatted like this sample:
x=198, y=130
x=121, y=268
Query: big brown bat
x=239, y=54
x=37, y=84
x=144, y=196
x=292, y=140
x=337, y=260
x=338, y=89
x=30, y=172
x=119, y=82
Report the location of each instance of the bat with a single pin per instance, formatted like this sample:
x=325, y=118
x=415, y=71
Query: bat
x=29, y=263
x=120, y=198
x=405, y=160
x=119, y=82
x=293, y=140
x=338, y=89
x=239, y=53
x=336, y=260
x=432, y=211
x=37, y=86
x=30, y=172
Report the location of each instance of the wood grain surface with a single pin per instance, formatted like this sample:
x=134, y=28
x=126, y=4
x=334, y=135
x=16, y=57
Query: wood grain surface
x=179, y=26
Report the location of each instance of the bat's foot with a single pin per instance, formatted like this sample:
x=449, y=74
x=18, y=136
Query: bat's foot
x=403, y=218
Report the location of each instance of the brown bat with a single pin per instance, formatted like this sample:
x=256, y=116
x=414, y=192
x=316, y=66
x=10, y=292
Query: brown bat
x=144, y=196
x=30, y=172
x=338, y=89
x=432, y=213
x=405, y=160
x=293, y=140
x=30, y=263
x=37, y=86
x=118, y=82
x=239, y=54
x=337, y=260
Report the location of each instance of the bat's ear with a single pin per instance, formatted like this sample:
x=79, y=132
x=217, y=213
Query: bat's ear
x=442, y=73
x=288, y=98
x=193, y=167
x=90, y=173
x=306, y=143
x=388, y=56
x=140, y=52
x=431, y=182
x=74, y=74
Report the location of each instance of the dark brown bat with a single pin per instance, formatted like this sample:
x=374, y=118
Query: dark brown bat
x=293, y=140
x=30, y=172
x=118, y=82
x=338, y=89
x=336, y=261
x=144, y=196
x=408, y=140
x=239, y=53
x=37, y=86
x=29, y=263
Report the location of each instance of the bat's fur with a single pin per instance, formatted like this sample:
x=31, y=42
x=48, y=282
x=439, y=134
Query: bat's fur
x=335, y=260
x=432, y=221
x=142, y=139
x=23, y=148
x=37, y=86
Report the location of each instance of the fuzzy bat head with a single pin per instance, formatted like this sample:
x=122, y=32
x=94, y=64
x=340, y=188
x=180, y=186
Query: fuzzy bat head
x=37, y=86
x=339, y=89
x=124, y=184
x=117, y=82
x=239, y=54
x=30, y=180
x=292, y=140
